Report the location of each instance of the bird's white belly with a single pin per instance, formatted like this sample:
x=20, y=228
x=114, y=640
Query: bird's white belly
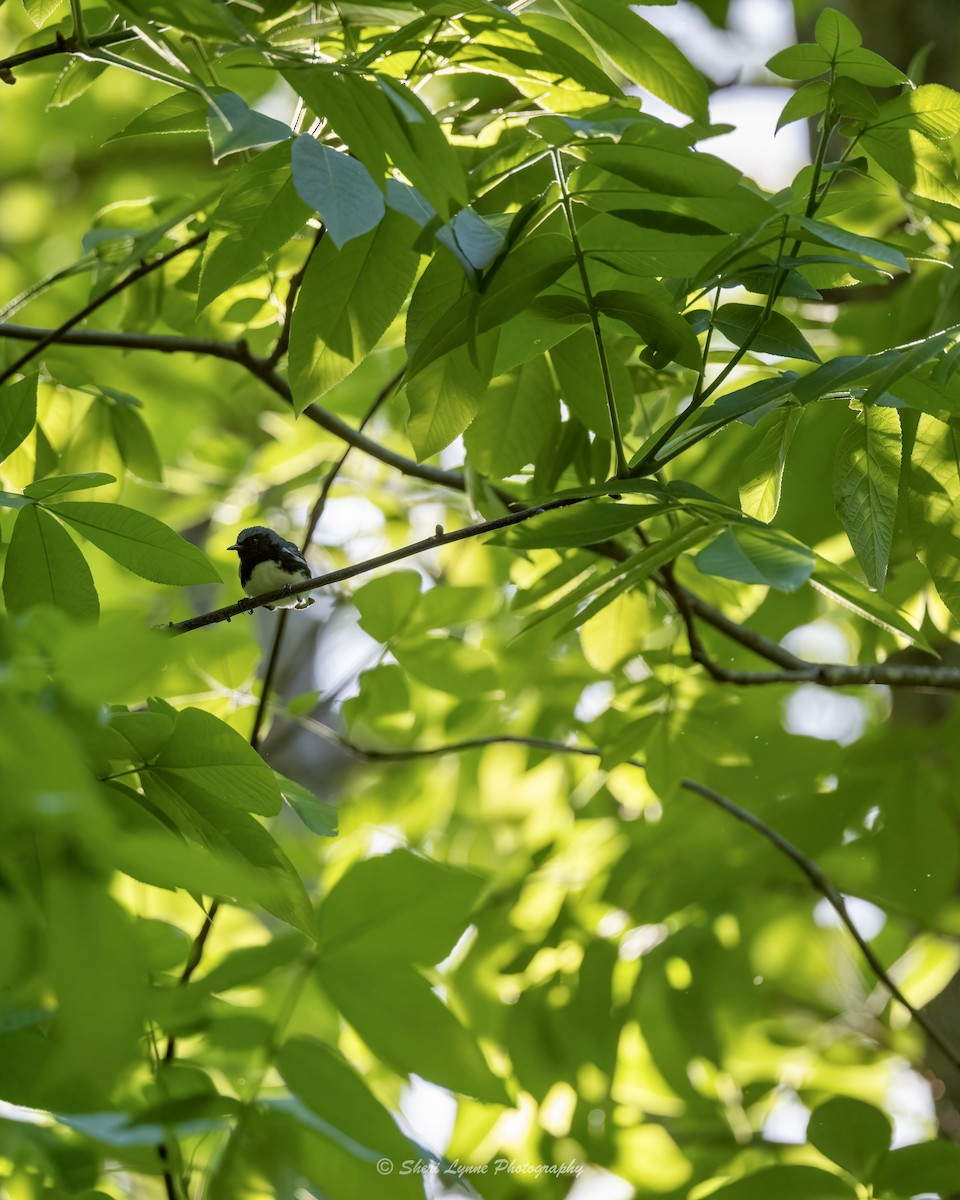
x=267, y=576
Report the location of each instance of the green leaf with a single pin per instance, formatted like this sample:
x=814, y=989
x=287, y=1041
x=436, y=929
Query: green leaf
x=74, y=80
x=386, y=604
x=513, y=421
x=42, y=489
x=445, y=396
x=205, y=756
x=233, y=126
x=931, y=109
x=258, y=213
x=866, y=479
x=787, y=1182
x=761, y=476
x=425, y=156
x=914, y=162
x=18, y=413
x=449, y=665
x=183, y=112
x=44, y=566
x=135, y=443
x=833, y=235
x=624, y=242
x=97, y=976
x=667, y=334
x=576, y=365
x=415, y=1032
x=567, y=528
x=934, y=506
x=805, y=61
x=331, y=1088
x=40, y=11
x=677, y=171
x=347, y=302
x=869, y=68
x=850, y=1133
x=642, y=52
x=842, y=587
x=318, y=817
x=925, y=1167
x=397, y=907
x=756, y=555
x=836, y=33
x=138, y=542
x=776, y=335
x=339, y=187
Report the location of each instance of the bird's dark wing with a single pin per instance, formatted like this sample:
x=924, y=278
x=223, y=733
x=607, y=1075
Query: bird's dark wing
x=290, y=558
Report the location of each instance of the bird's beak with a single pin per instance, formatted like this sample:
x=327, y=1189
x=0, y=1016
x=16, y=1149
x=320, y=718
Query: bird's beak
x=233, y=547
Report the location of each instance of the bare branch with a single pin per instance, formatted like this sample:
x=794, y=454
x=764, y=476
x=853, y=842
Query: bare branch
x=810, y=869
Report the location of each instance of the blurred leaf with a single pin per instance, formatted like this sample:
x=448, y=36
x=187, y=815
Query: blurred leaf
x=44, y=566
x=318, y=817
x=385, y=604
x=18, y=413
x=787, y=1183
x=205, y=757
x=925, y=1167
x=850, y=1133
x=934, y=506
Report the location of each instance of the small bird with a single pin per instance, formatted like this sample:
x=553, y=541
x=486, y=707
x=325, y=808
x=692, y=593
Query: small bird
x=268, y=562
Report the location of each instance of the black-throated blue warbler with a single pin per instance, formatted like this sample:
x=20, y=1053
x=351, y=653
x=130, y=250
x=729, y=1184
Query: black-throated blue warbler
x=268, y=562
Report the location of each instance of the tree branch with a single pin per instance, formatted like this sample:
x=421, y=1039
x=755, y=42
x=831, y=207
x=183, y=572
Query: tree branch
x=240, y=353
x=797, y=670
x=371, y=564
x=810, y=869
x=55, y=335
x=61, y=45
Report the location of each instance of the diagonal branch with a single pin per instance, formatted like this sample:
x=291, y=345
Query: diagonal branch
x=371, y=564
x=820, y=882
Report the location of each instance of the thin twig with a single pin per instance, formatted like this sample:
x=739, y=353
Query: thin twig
x=371, y=564
x=810, y=869
x=293, y=289
x=55, y=335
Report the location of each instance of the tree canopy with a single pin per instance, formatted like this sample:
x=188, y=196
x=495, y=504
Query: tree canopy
x=607, y=797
